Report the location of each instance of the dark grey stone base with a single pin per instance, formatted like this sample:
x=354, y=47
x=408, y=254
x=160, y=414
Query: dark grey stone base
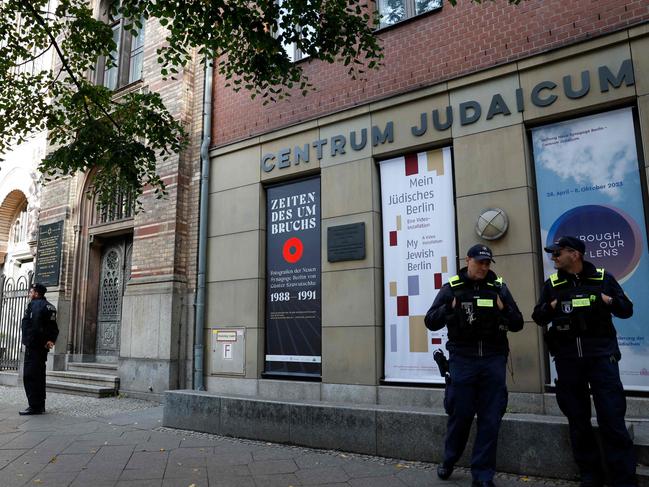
x=528, y=444
x=147, y=375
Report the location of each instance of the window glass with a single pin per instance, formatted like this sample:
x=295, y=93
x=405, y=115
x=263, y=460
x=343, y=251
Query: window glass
x=125, y=63
x=137, y=54
x=423, y=6
x=112, y=64
x=393, y=11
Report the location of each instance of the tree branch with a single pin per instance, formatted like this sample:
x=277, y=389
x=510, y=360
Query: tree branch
x=66, y=66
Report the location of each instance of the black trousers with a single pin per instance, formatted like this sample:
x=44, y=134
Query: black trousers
x=34, y=376
x=573, y=397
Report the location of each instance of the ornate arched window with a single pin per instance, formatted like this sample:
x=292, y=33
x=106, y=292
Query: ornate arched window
x=122, y=208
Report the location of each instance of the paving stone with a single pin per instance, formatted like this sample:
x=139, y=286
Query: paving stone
x=195, y=452
x=183, y=483
x=270, y=467
x=157, y=445
x=53, y=479
x=17, y=473
x=217, y=480
x=148, y=459
x=369, y=469
x=95, y=483
x=8, y=456
x=323, y=475
x=242, y=458
x=391, y=481
x=83, y=446
x=317, y=460
x=193, y=462
x=115, y=454
x=182, y=472
x=153, y=472
x=106, y=474
x=198, y=442
x=67, y=463
x=228, y=471
x=137, y=436
x=26, y=440
x=274, y=454
x=139, y=483
x=419, y=478
x=232, y=446
x=278, y=480
x=7, y=437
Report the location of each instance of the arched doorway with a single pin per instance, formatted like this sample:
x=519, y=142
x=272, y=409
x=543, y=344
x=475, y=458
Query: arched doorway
x=102, y=270
x=16, y=270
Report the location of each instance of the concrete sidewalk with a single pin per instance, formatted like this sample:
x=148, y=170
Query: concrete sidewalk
x=124, y=445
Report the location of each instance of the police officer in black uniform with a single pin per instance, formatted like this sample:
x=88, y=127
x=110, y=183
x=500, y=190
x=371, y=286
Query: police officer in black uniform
x=579, y=300
x=39, y=331
x=478, y=310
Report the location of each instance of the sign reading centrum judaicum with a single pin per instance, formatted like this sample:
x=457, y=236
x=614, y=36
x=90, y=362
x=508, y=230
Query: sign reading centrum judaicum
x=293, y=279
x=589, y=186
x=48, y=256
x=418, y=257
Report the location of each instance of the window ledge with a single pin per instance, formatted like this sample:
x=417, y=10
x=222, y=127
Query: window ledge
x=133, y=87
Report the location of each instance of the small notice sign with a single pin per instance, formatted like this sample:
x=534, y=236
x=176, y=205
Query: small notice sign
x=346, y=242
x=48, y=257
x=225, y=335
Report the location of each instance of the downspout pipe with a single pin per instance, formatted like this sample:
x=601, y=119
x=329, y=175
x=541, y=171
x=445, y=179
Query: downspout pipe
x=199, y=308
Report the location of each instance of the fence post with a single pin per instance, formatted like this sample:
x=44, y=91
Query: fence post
x=2, y=291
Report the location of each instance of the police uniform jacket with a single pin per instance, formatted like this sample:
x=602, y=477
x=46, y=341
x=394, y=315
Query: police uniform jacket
x=582, y=325
x=39, y=323
x=476, y=327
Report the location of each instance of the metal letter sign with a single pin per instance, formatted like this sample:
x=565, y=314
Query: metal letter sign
x=48, y=257
x=293, y=279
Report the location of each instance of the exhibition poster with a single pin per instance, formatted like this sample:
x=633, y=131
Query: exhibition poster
x=589, y=186
x=419, y=248
x=293, y=279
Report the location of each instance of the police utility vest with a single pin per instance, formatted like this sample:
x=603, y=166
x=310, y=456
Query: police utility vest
x=476, y=310
x=580, y=310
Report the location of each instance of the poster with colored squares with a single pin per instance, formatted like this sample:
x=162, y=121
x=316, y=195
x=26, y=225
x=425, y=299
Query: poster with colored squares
x=589, y=186
x=418, y=210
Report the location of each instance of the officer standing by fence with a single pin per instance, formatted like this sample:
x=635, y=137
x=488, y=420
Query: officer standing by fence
x=579, y=300
x=39, y=330
x=478, y=310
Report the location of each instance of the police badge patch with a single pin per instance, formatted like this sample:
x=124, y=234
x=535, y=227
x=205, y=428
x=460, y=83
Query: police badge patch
x=566, y=306
x=468, y=312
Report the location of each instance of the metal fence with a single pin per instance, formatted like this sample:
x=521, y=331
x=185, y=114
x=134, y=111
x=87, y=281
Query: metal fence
x=13, y=301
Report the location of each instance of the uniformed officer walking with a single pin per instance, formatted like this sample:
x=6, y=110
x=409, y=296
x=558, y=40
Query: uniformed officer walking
x=579, y=300
x=39, y=331
x=478, y=310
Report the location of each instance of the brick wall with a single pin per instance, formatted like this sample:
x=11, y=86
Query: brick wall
x=429, y=49
x=164, y=233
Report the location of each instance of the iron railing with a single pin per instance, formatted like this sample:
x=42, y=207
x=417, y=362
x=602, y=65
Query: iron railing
x=13, y=301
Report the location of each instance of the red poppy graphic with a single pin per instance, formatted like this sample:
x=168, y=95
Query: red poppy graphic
x=293, y=250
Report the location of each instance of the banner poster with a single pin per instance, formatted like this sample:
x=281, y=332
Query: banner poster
x=589, y=186
x=293, y=279
x=419, y=249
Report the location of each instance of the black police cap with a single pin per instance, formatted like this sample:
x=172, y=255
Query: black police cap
x=39, y=288
x=480, y=252
x=567, y=242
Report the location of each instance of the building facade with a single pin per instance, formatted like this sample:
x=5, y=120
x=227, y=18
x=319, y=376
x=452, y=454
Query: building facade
x=125, y=283
x=334, y=217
